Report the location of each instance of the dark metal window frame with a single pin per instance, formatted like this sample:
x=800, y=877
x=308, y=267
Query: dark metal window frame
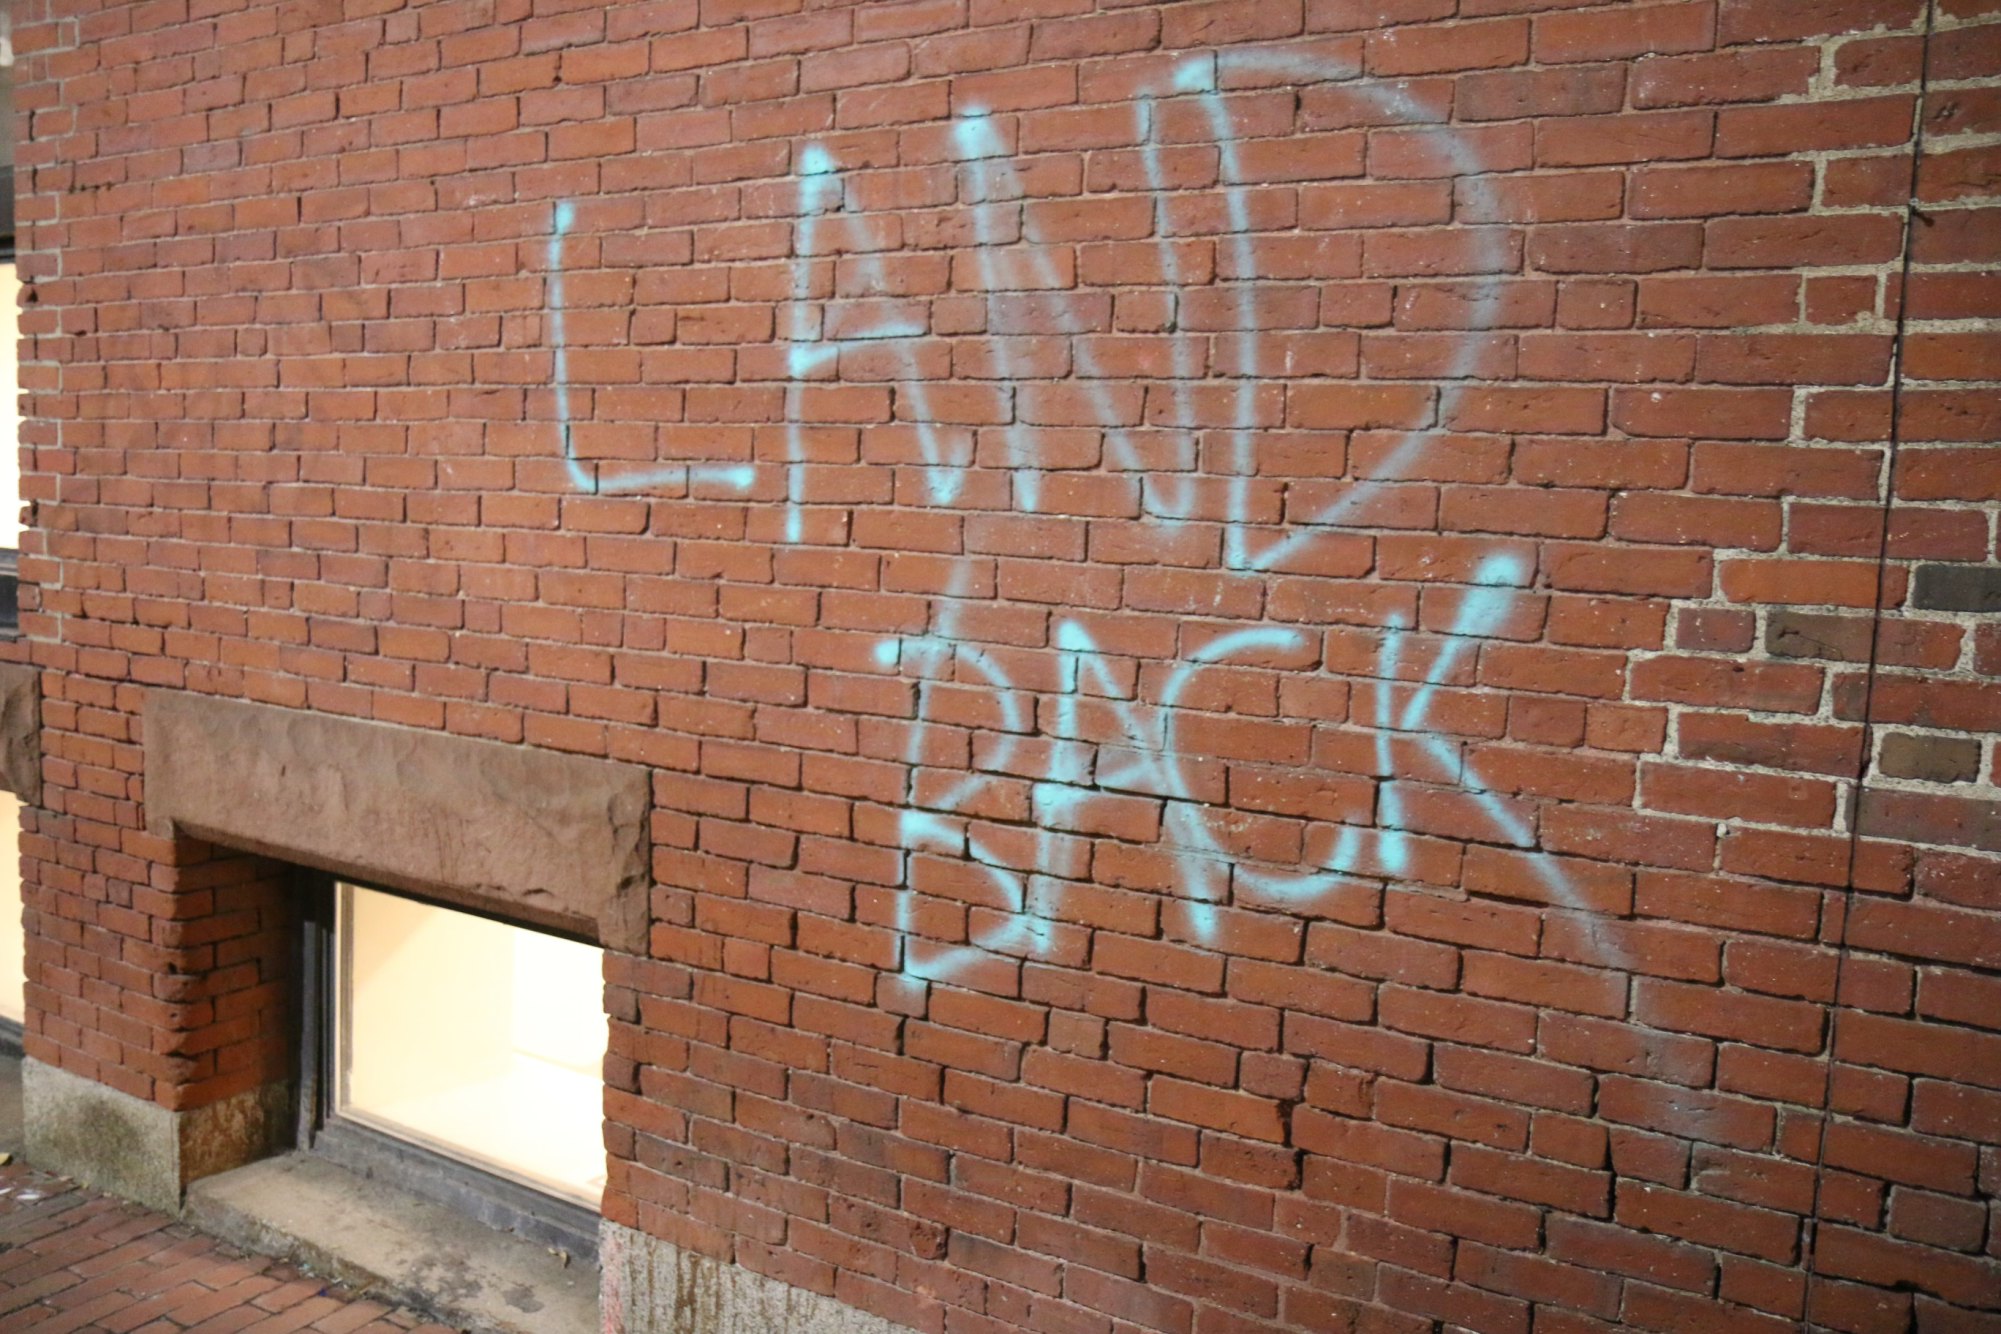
x=10, y=558
x=497, y=1201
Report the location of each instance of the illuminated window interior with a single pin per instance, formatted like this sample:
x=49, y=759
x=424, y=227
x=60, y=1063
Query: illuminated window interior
x=12, y=942
x=475, y=1039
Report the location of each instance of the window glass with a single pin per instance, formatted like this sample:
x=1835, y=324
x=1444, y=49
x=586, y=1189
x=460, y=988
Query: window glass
x=474, y=1038
x=12, y=942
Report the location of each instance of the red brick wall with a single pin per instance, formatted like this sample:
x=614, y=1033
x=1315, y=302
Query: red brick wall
x=1253, y=619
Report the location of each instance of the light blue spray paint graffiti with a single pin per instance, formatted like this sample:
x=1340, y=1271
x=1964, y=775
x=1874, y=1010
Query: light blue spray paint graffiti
x=583, y=477
x=1024, y=891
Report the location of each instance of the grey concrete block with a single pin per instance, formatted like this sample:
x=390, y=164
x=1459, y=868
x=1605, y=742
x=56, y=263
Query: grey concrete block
x=21, y=731
x=556, y=840
x=100, y=1136
x=138, y=1149
x=654, y=1287
x=10, y=1106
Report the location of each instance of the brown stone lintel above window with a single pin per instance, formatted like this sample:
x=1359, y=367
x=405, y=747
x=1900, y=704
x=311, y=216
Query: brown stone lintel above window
x=21, y=731
x=534, y=836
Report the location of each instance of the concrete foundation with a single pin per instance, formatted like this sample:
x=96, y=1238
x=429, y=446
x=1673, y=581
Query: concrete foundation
x=382, y=1240
x=140, y=1150
x=652, y=1287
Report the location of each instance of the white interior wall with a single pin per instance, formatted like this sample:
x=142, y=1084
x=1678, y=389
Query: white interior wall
x=13, y=940
x=479, y=1039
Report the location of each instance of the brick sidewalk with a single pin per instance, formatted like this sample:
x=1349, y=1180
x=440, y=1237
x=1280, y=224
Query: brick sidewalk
x=74, y=1260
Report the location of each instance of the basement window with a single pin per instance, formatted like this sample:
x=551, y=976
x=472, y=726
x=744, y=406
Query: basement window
x=10, y=374
x=471, y=1038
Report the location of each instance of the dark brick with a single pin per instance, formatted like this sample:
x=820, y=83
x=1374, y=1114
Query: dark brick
x=1957, y=588
x=1806, y=634
x=1935, y=759
x=1921, y=817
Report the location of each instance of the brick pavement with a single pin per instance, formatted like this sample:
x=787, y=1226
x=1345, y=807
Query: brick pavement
x=73, y=1261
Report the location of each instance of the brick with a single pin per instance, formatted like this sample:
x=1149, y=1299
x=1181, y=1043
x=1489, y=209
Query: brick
x=1765, y=243
x=1956, y=588
x=1911, y=1159
x=1690, y=192
x=1563, y=1286
x=1926, y=931
x=1770, y=1236
x=1631, y=137
x=1580, y=196
x=1824, y=583
x=1655, y=1260
x=1617, y=247
x=1709, y=301
x=1214, y=23
x=1883, y=1261
x=1741, y=75
x=1556, y=92
x=1722, y=794
x=1648, y=29
x=1950, y=704
x=1771, y=687
x=1749, y=414
x=1930, y=759
x=1762, y=21
x=1804, y=748
x=1444, y=47
x=1758, y=131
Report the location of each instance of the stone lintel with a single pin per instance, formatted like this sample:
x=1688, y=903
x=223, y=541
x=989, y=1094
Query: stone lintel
x=537, y=836
x=21, y=731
